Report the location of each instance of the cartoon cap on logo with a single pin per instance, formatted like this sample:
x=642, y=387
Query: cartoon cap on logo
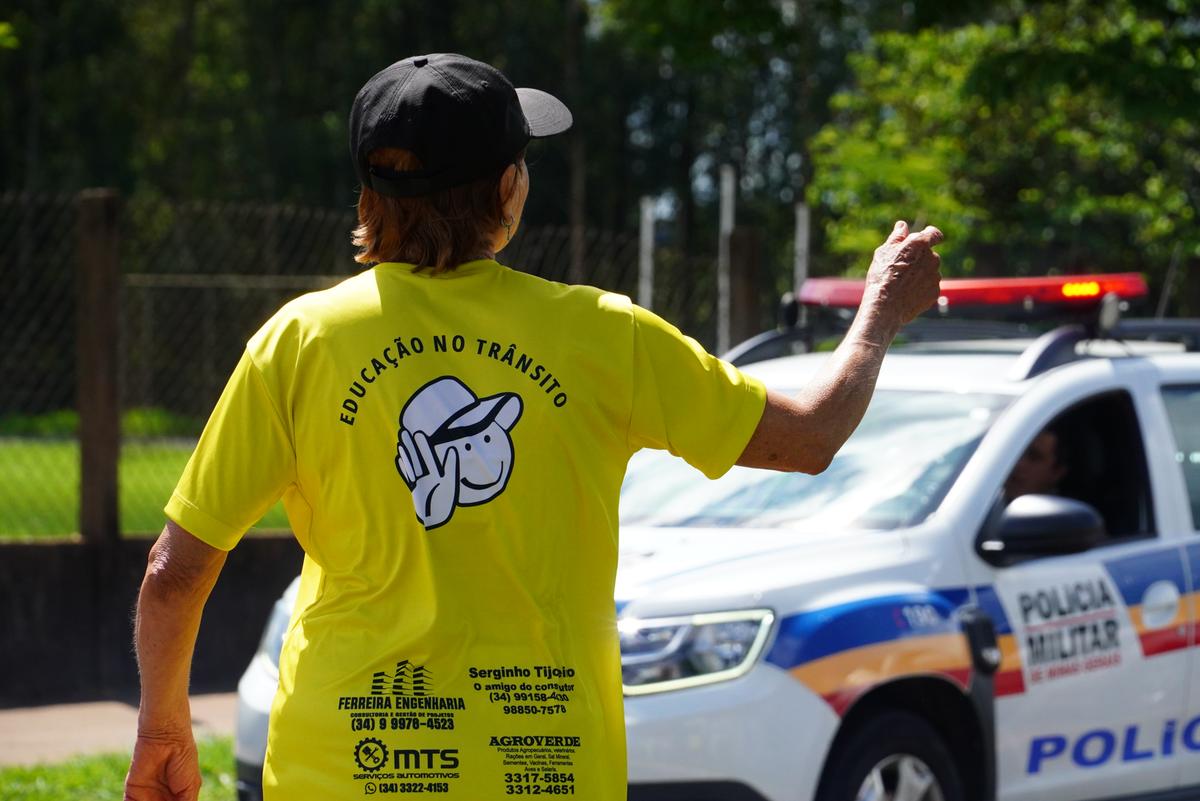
x=454, y=448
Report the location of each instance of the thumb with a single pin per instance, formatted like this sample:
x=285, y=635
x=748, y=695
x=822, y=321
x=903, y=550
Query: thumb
x=899, y=231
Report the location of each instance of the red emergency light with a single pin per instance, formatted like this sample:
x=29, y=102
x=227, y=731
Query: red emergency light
x=1074, y=290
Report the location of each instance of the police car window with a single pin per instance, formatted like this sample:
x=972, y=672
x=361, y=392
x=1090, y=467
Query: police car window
x=893, y=472
x=1183, y=409
x=1092, y=453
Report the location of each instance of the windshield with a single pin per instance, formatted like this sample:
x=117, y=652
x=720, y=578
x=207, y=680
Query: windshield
x=893, y=472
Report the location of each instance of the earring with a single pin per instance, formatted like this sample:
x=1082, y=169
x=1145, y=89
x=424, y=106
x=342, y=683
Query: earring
x=507, y=221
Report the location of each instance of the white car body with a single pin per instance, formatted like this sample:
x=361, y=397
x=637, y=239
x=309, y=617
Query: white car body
x=859, y=622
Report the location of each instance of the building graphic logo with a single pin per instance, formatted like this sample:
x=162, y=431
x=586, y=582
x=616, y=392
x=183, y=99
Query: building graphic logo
x=406, y=679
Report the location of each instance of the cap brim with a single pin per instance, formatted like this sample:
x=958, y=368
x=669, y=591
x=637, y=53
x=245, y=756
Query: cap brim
x=472, y=419
x=547, y=115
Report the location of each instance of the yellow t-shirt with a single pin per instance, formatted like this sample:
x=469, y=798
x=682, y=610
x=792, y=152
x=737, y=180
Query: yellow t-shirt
x=450, y=451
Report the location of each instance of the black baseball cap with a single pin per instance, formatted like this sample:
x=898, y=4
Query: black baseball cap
x=462, y=118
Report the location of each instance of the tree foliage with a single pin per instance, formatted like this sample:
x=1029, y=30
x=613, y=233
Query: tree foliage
x=1041, y=135
x=1061, y=139
x=227, y=99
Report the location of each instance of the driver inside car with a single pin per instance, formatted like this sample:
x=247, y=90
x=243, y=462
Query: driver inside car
x=1040, y=470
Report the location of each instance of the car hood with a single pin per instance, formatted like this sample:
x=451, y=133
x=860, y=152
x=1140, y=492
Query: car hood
x=665, y=571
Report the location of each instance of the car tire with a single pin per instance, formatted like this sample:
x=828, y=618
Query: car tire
x=891, y=752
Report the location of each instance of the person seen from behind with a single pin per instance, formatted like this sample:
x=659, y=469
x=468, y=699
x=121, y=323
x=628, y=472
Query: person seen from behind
x=449, y=438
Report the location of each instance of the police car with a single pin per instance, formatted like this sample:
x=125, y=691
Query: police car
x=992, y=592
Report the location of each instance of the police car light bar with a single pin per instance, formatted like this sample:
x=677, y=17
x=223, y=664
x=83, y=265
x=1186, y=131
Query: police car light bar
x=1075, y=290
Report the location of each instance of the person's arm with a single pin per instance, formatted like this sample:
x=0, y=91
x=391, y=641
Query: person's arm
x=180, y=574
x=803, y=433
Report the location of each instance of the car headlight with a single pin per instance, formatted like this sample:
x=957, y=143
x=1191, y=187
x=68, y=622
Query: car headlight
x=660, y=654
x=272, y=639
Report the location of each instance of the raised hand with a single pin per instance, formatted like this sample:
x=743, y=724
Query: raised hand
x=905, y=272
x=434, y=485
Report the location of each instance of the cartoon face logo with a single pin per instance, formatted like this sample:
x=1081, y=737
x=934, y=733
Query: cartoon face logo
x=454, y=449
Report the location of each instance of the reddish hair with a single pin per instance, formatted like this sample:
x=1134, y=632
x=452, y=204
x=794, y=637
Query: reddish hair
x=439, y=231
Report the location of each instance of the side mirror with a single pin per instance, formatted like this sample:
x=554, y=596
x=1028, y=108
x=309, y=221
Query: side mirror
x=1039, y=525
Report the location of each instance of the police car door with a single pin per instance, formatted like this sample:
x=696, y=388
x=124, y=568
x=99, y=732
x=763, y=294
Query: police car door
x=1180, y=395
x=1082, y=703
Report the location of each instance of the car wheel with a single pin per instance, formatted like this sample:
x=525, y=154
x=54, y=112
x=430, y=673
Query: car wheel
x=895, y=756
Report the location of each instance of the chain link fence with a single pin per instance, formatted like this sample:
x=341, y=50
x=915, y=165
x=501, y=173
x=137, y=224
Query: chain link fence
x=39, y=458
x=197, y=280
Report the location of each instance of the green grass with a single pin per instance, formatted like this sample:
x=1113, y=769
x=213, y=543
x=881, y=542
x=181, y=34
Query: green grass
x=136, y=422
x=102, y=778
x=39, y=486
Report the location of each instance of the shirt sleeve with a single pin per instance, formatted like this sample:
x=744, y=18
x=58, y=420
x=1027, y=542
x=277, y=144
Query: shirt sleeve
x=243, y=463
x=687, y=401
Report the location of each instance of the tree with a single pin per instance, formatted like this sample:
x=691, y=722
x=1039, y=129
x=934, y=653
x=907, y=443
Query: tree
x=1061, y=140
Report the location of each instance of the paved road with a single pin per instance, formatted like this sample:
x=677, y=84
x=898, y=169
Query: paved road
x=55, y=733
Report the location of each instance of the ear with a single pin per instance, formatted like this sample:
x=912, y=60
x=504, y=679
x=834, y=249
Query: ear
x=510, y=412
x=508, y=183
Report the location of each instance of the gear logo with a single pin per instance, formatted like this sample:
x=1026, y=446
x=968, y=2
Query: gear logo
x=455, y=448
x=370, y=754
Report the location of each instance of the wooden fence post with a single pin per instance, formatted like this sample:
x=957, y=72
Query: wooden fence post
x=97, y=313
x=800, y=258
x=645, y=294
x=745, y=256
x=724, y=232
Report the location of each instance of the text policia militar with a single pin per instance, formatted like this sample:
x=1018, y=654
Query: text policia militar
x=401, y=348
x=1070, y=622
